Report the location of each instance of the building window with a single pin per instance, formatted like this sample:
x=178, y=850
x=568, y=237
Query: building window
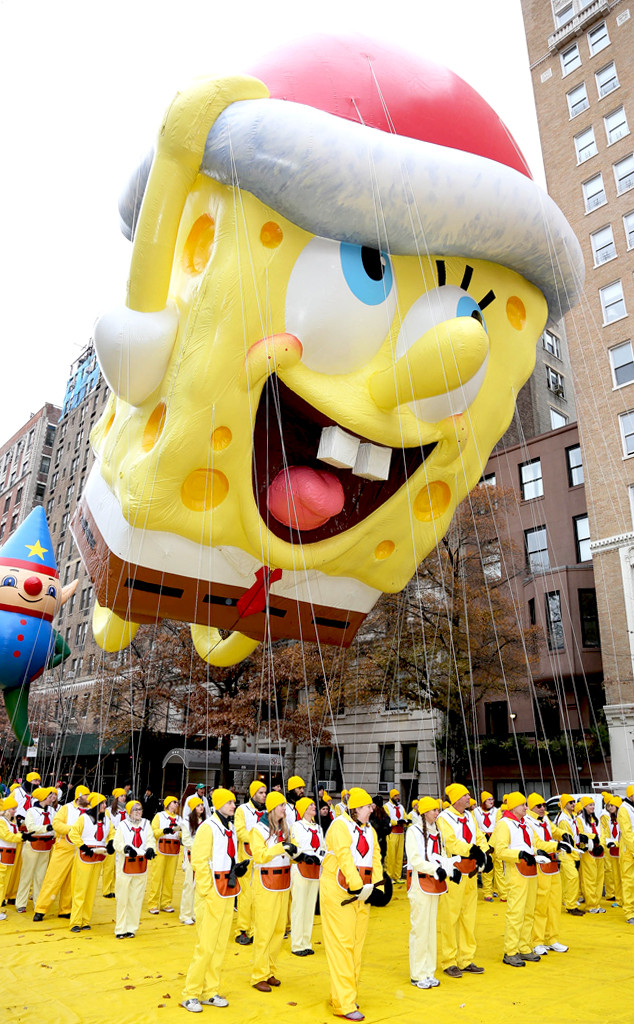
x=496, y=718
x=386, y=762
x=531, y=482
x=570, y=59
x=577, y=100
x=488, y=479
x=555, y=382
x=2, y=529
x=532, y=618
x=607, y=79
x=536, y=547
x=612, y=302
x=546, y=717
x=14, y=522
x=410, y=757
x=60, y=551
x=551, y=343
x=624, y=173
x=622, y=363
x=616, y=125
x=575, y=465
x=589, y=618
x=628, y=225
x=45, y=464
x=50, y=436
x=7, y=502
x=594, y=193
x=554, y=625
x=602, y=242
x=598, y=38
x=492, y=561
x=582, y=538
x=585, y=145
x=626, y=421
x=557, y=419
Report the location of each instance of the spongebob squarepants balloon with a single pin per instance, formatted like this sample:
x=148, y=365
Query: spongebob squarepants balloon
x=341, y=268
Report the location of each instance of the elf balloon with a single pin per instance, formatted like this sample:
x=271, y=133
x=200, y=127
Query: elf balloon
x=30, y=596
x=340, y=270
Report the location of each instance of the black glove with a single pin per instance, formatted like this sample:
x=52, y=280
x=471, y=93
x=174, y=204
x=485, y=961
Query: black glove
x=242, y=867
x=489, y=864
x=290, y=848
x=25, y=836
x=130, y=852
x=478, y=855
x=312, y=860
x=564, y=846
x=86, y=849
x=232, y=880
x=110, y=846
x=150, y=854
x=19, y=819
x=456, y=877
x=610, y=845
x=583, y=839
x=301, y=858
x=169, y=831
x=528, y=858
x=441, y=874
x=567, y=838
x=597, y=850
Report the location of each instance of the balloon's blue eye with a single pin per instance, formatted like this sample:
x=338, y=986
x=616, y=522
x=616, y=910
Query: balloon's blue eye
x=9, y=581
x=51, y=592
x=469, y=307
x=368, y=273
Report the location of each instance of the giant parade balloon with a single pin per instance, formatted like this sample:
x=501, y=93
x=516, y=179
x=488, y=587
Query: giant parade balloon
x=341, y=266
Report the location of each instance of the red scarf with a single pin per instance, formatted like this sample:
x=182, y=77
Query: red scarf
x=47, y=818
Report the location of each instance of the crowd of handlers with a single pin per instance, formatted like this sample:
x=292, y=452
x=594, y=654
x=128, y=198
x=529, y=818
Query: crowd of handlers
x=280, y=858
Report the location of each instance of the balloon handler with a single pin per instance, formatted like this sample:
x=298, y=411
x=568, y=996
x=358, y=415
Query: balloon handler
x=134, y=845
x=58, y=877
x=350, y=875
x=30, y=596
x=92, y=834
x=217, y=873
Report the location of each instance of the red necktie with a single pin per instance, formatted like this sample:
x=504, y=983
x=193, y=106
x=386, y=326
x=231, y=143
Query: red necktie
x=487, y=820
x=362, y=843
x=46, y=819
x=231, y=850
x=82, y=810
x=258, y=815
x=14, y=827
x=280, y=836
x=314, y=839
x=594, y=828
x=615, y=830
x=544, y=825
x=466, y=831
x=525, y=833
x=172, y=821
x=398, y=811
x=121, y=815
x=435, y=838
x=136, y=842
x=27, y=803
x=99, y=831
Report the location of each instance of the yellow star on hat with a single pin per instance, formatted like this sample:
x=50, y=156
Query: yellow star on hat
x=36, y=549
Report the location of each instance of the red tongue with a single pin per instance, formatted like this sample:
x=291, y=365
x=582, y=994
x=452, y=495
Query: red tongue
x=304, y=498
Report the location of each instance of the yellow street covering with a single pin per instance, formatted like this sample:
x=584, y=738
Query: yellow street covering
x=92, y=978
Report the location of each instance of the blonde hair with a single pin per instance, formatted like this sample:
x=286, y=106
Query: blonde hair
x=282, y=825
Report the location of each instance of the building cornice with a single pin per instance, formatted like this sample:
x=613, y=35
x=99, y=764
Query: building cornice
x=620, y=540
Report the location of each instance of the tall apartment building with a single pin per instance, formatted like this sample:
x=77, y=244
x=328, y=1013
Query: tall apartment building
x=25, y=462
x=580, y=53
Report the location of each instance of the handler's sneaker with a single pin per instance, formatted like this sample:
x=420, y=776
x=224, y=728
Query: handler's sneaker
x=531, y=957
x=557, y=947
x=154, y=912
x=187, y=920
x=513, y=960
x=193, y=1005
x=630, y=920
x=541, y=950
x=433, y=982
x=3, y=916
x=424, y=983
x=215, y=1001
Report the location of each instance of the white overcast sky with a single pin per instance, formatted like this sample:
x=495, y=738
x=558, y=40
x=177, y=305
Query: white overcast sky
x=84, y=86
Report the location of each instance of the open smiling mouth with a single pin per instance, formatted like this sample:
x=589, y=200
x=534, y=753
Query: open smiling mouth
x=299, y=496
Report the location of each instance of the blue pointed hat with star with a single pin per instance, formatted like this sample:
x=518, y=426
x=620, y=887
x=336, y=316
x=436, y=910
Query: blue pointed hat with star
x=31, y=547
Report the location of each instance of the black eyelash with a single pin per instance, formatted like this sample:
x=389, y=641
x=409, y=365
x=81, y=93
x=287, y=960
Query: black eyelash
x=487, y=300
x=442, y=272
x=466, y=278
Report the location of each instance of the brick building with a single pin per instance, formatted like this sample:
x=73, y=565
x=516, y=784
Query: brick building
x=583, y=80
x=25, y=462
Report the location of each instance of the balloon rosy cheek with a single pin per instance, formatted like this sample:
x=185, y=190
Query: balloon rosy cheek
x=271, y=235
x=516, y=313
x=432, y=501
x=384, y=549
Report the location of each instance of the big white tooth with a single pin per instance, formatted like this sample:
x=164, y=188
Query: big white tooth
x=373, y=462
x=338, y=448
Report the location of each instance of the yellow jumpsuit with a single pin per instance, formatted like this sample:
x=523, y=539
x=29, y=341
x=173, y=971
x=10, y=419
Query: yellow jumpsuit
x=130, y=889
x=548, y=903
x=344, y=928
x=163, y=866
x=591, y=868
x=187, y=910
x=395, y=840
x=625, y=819
x=522, y=891
x=568, y=863
x=34, y=862
x=423, y=906
x=609, y=830
x=458, y=909
x=270, y=909
x=486, y=821
x=247, y=815
x=304, y=891
x=58, y=878
x=214, y=913
x=86, y=876
x=10, y=838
